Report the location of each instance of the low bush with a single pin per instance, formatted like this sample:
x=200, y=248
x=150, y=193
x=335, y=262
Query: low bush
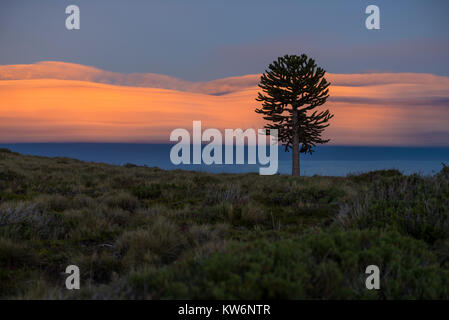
x=139, y=232
x=161, y=241
x=416, y=206
x=322, y=265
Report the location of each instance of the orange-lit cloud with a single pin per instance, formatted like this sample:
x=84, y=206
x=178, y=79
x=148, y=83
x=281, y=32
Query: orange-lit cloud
x=71, y=71
x=56, y=101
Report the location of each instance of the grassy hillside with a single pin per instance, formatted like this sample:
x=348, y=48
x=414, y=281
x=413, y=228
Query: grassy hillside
x=139, y=232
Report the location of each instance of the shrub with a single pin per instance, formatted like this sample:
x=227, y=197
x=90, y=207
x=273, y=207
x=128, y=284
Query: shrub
x=254, y=213
x=202, y=180
x=130, y=165
x=28, y=220
x=14, y=255
x=161, y=239
x=322, y=265
x=55, y=202
x=82, y=201
x=375, y=175
x=444, y=173
x=152, y=191
x=142, y=232
x=99, y=267
x=200, y=234
x=14, y=259
x=121, y=200
x=229, y=194
x=414, y=205
x=5, y=150
x=9, y=175
x=294, y=195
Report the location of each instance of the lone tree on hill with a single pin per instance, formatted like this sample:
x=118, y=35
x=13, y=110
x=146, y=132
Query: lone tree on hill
x=292, y=88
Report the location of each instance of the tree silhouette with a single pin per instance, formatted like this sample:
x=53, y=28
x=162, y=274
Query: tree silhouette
x=293, y=86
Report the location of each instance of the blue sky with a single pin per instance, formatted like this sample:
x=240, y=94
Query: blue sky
x=205, y=40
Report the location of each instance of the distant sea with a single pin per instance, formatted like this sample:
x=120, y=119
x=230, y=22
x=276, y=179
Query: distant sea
x=326, y=160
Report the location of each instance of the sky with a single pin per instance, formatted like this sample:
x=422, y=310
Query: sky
x=202, y=40
x=136, y=70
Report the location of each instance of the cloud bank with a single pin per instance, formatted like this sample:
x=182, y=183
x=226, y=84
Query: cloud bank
x=58, y=101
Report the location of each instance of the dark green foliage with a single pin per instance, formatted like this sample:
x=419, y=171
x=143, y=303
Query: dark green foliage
x=293, y=86
x=288, y=196
x=204, y=180
x=130, y=165
x=329, y=265
x=444, y=173
x=99, y=267
x=14, y=262
x=414, y=205
x=139, y=232
x=375, y=175
x=13, y=255
x=152, y=191
x=122, y=200
x=9, y=175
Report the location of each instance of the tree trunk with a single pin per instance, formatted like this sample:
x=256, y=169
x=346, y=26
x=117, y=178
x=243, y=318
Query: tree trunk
x=295, y=148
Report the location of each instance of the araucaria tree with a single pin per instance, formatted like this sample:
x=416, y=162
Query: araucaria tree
x=293, y=86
